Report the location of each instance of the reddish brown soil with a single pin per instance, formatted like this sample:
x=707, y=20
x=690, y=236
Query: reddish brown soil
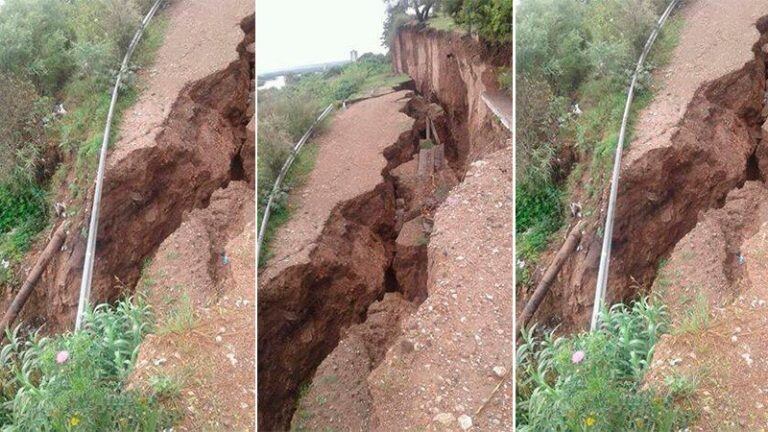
x=672, y=175
x=715, y=287
x=339, y=397
x=181, y=142
x=443, y=362
x=200, y=285
x=331, y=257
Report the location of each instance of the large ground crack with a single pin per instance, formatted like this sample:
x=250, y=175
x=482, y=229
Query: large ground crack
x=367, y=266
x=716, y=148
x=201, y=146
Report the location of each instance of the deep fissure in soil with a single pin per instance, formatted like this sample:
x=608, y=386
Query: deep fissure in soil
x=371, y=245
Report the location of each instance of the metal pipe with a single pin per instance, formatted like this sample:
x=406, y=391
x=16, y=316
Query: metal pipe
x=85, y=281
x=281, y=177
x=605, y=255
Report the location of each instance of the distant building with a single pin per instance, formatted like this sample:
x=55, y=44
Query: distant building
x=353, y=55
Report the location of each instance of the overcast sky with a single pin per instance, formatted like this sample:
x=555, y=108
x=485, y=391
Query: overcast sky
x=302, y=32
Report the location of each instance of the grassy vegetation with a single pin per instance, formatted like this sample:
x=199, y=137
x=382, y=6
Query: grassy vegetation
x=78, y=381
x=594, y=381
x=443, y=21
x=286, y=114
x=573, y=73
x=54, y=52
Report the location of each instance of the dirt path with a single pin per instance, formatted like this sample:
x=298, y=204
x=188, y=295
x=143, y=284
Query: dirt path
x=349, y=162
x=198, y=42
x=716, y=38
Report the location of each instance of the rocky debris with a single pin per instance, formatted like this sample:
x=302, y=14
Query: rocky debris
x=446, y=419
x=465, y=422
x=420, y=195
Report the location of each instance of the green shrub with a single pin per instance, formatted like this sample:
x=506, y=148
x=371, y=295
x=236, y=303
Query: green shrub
x=24, y=214
x=35, y=42
x=573, y=71
x=87, y=390
x=66, y=51
x=602, y=392
x=22, y=131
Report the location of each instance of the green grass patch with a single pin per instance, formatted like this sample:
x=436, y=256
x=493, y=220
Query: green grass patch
x=697, y=317
x=181, y=317
x=442, y=21
x=281, y=208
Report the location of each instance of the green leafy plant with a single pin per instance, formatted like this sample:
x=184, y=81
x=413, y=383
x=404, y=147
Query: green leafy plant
x=77, y=381
x=593, y=381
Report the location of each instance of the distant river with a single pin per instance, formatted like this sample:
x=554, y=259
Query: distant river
x=277, y=82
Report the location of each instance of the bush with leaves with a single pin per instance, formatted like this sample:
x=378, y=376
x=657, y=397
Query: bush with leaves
x=22, y=129
x=54, y=51
x=491, y=19
x=594, y=381
x=77, y=381
x=573, y=69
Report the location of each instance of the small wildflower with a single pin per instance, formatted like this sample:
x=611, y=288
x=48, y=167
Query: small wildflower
x=590, y=421
x=62, y=357
x=74, y=421
x=577, y=357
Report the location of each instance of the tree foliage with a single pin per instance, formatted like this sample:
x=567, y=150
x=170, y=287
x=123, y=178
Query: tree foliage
x=573, y=61
x=491, y=19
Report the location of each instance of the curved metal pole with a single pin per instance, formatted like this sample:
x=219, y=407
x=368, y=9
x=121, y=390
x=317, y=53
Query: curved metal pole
x=85, y=281
x=605, y=255
x=281, y=177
